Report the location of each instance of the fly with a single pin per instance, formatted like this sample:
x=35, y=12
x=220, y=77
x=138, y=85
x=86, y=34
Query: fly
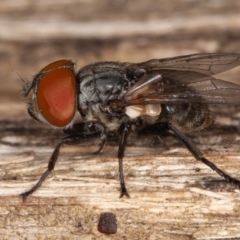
x=119, y=99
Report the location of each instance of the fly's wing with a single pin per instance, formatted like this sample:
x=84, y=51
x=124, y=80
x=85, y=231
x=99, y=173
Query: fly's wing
x=185, y=79
x=162, y=90
x=208, y=64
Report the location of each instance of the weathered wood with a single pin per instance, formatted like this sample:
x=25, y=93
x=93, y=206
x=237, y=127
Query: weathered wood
x=172, y=195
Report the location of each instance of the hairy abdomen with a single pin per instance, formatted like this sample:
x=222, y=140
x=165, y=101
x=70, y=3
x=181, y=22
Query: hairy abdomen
x=188, y=117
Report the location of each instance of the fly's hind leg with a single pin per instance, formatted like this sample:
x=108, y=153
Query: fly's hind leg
x=76, y=139
x=165, y=126
x=199, y=156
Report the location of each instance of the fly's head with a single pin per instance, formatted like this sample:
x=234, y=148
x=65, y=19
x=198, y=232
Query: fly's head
x=54, y=94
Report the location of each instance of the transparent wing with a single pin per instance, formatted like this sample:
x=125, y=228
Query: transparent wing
x=208, y=64
x=181, y=87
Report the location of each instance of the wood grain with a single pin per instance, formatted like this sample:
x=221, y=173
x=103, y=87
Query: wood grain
x=172, y=195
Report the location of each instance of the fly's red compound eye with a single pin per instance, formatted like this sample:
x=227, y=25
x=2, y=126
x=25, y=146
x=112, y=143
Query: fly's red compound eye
x=56, y=93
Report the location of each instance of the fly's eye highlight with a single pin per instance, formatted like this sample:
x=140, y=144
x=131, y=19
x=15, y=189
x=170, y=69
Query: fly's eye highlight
x=56, y=93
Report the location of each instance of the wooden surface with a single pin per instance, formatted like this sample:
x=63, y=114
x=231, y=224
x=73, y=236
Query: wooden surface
x=172, y=195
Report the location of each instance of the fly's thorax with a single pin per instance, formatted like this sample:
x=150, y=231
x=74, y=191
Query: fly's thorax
x=96, y=112
x=99, y=84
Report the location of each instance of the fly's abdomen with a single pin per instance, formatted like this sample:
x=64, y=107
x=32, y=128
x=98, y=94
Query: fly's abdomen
x=189, y=117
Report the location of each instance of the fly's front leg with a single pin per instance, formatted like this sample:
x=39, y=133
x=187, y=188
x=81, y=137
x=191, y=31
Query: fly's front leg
x=80, y=139
x=124, y=131
x=87, y=128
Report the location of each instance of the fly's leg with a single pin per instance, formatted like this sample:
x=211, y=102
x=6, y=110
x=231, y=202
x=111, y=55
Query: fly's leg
x=122, y=145
x=80, y=139
x=165, y=126
x=89, y=127
x=199, y=156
